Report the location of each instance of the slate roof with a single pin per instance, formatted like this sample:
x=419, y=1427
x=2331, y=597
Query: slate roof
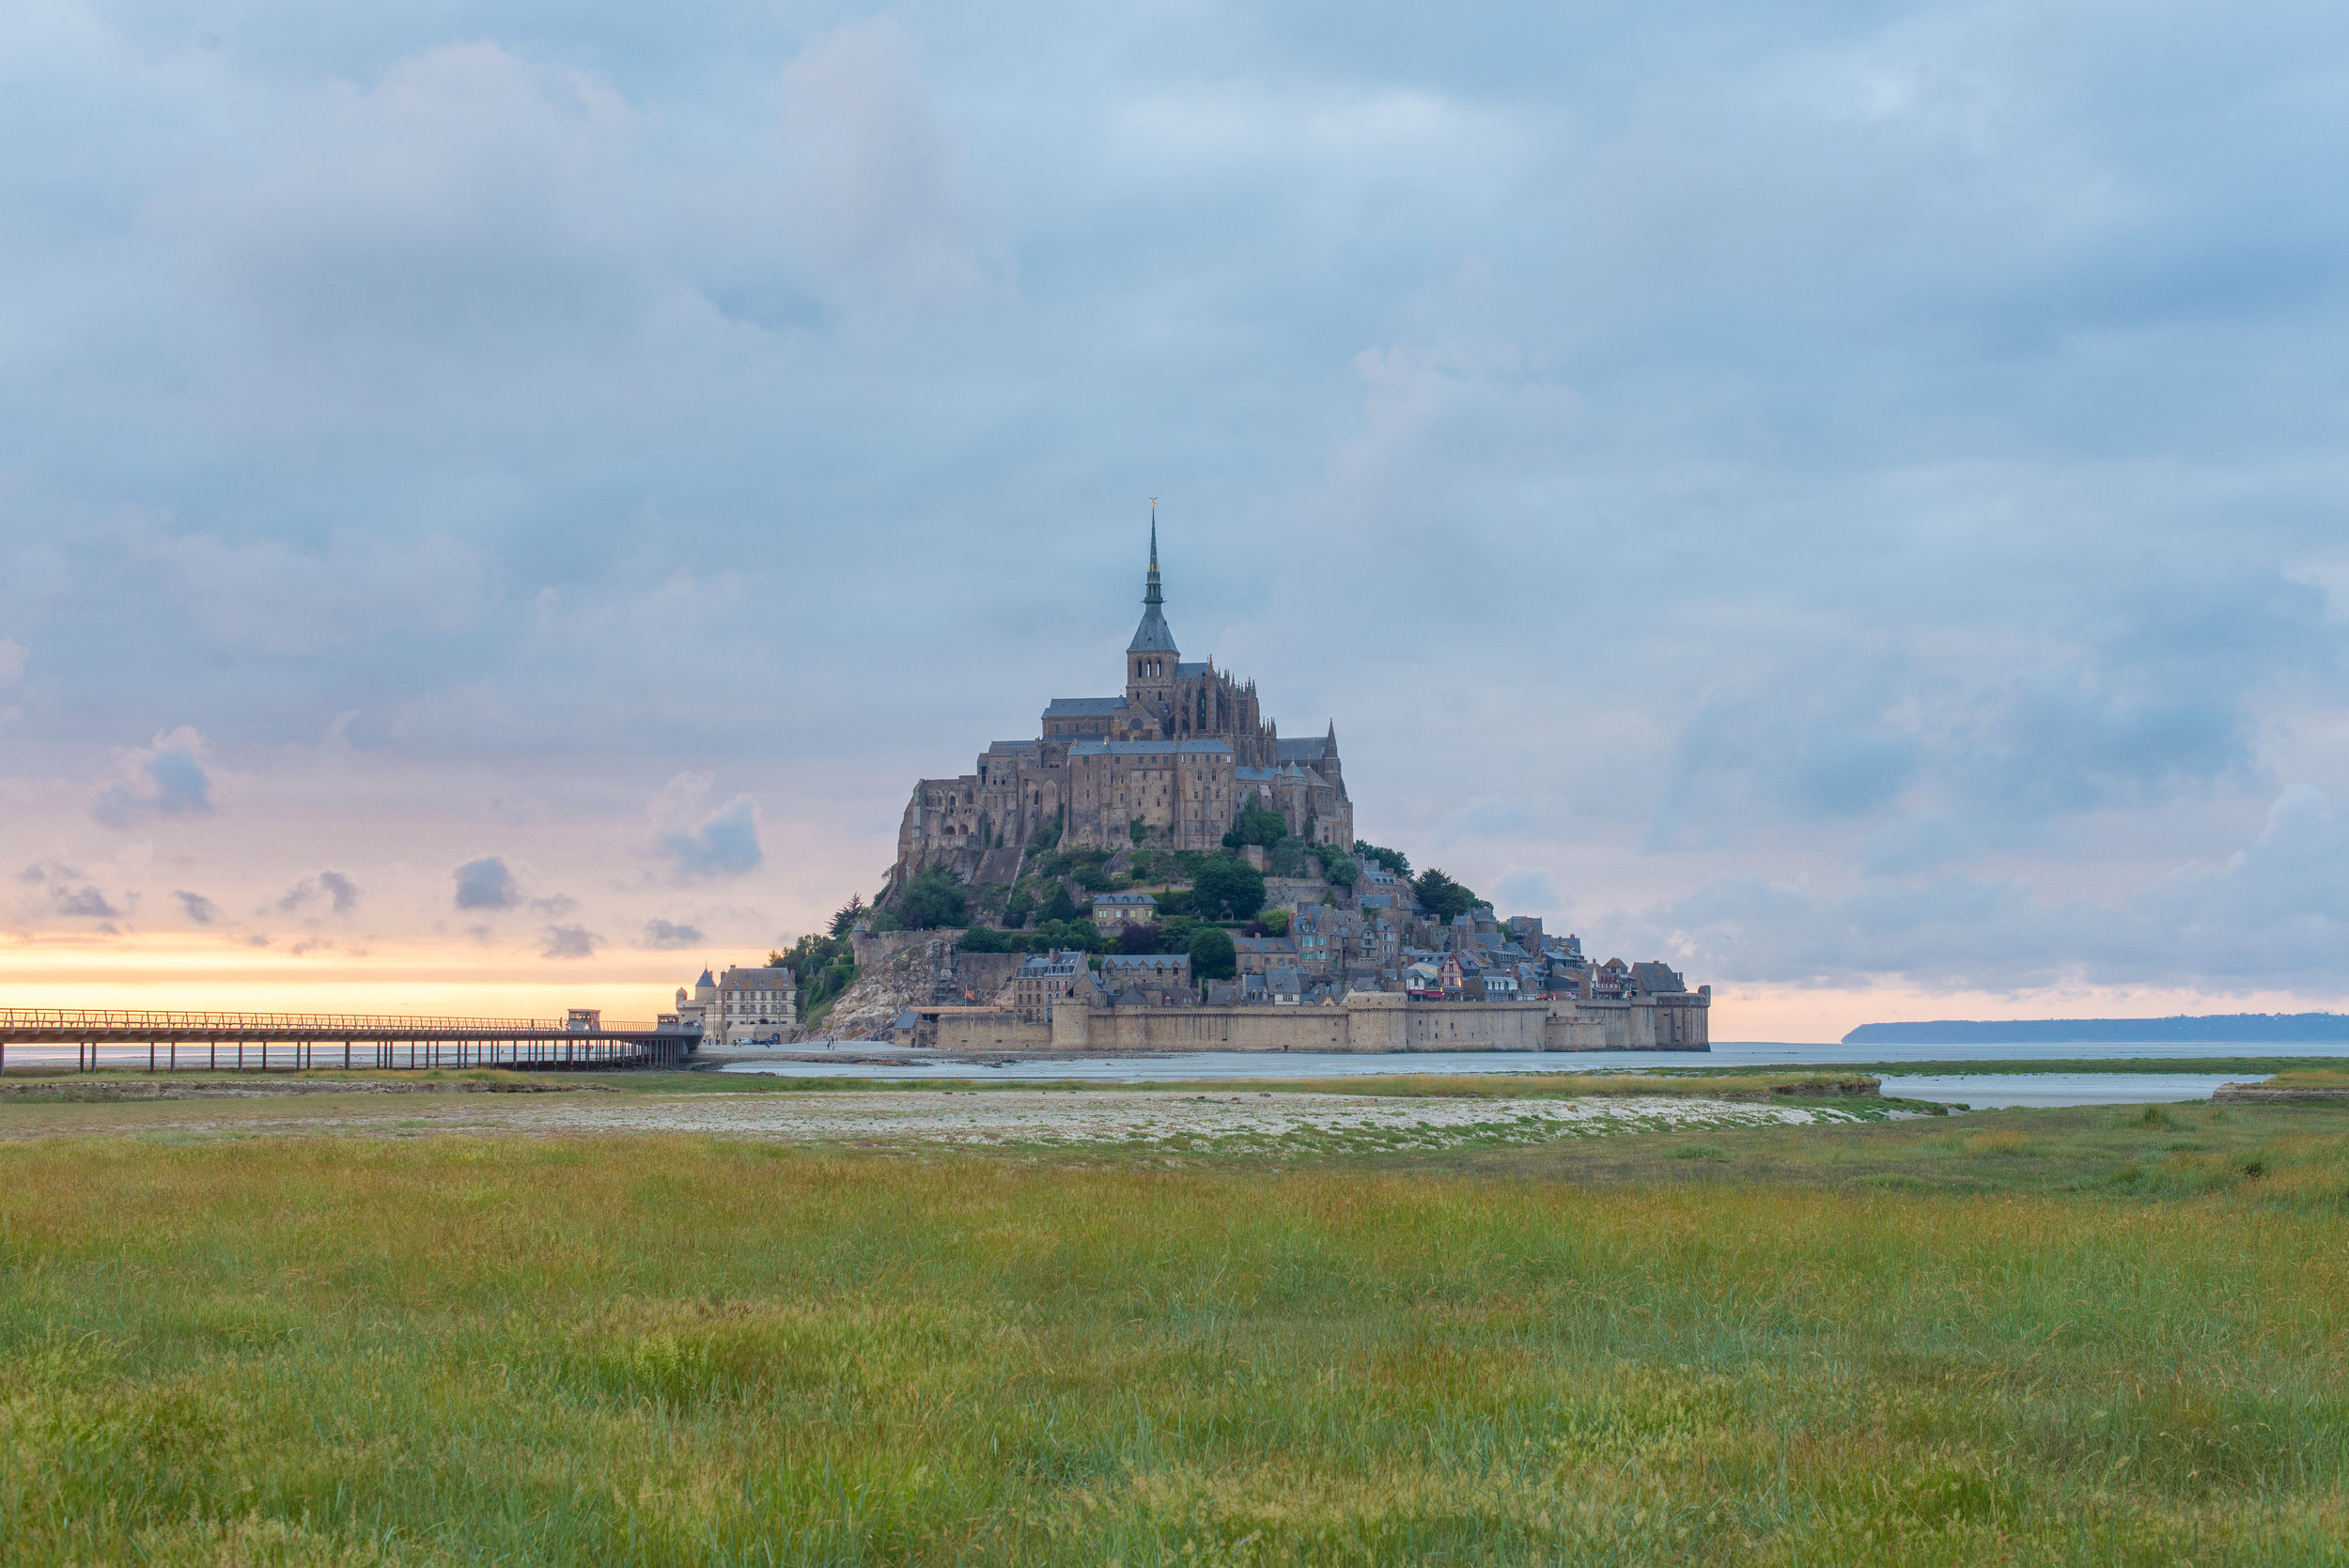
x=1153, y=635
x=1145, y=963
x=762, y=979
x=1263, y=944
x=1148, y=748
x=1081, y=707
x=1659, y=979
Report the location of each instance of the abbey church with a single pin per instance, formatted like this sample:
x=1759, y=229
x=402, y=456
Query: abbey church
x=1168, y=762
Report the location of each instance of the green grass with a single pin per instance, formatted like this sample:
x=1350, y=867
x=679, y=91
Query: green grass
x=2330, y=1077
x=1741, y=1084
x=1970, y=1341
x=2248, y=1066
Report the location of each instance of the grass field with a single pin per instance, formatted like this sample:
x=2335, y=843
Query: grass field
x=2092, y=1336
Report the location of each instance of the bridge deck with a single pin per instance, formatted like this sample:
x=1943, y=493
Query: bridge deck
x=174, y=1041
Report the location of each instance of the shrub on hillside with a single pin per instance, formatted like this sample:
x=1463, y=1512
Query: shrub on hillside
x=931, y=899
x=1212, y=955
x=1226, y=889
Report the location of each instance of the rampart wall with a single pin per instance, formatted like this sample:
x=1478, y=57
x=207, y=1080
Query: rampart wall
x=1368, y=1023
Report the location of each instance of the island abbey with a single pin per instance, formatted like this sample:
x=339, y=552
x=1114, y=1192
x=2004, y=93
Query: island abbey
x=1169, y=762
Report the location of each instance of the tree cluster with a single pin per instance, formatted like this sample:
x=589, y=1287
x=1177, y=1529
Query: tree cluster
x=1443, y=897
x=823, y=965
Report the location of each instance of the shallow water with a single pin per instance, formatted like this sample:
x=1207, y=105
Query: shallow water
x=1981, y=1090
x=1976, y=1089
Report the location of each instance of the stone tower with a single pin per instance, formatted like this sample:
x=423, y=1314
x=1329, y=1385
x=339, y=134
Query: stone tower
x=1151, y=657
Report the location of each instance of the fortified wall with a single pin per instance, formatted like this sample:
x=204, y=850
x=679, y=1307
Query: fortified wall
x=1367, y=1023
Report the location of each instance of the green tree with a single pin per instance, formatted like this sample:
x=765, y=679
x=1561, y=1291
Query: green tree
x=1443, y=897
x=843, y=919
x=932, y=898
x=983, y=938
x=1212, y=955
x=1060, y=907
x=1016, y=906
x=1256, y=823
x=1227, y=889
x=1138, y=830
x=1393, y=860
x=1276, y=923
x=1339, y=868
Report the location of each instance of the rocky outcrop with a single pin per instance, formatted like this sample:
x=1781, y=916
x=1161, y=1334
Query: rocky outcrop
x=869, y=1010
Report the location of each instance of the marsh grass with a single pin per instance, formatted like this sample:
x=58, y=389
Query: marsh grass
x=2330, y=1076
x=659, y=1350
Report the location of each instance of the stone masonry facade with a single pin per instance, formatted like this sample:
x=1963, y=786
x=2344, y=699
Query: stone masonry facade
x=1178, y=754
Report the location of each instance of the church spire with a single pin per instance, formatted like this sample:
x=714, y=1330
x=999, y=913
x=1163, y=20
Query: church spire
x=1152, y=635
x=1150, y=588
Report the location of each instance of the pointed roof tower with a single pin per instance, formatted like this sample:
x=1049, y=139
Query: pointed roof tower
x=1153, y=635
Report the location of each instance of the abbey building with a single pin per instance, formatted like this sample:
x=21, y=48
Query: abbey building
x=1167, y=762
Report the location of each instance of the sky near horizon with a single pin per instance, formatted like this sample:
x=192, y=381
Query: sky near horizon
x=499, y=502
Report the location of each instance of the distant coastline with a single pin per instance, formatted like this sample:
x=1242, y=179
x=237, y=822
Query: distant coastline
x=2231, y=1028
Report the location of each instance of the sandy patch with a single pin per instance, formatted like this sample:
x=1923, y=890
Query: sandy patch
x=986, y=1117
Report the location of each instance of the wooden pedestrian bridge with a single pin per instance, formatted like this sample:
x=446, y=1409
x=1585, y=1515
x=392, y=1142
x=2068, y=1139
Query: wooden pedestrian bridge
x=39, y=1039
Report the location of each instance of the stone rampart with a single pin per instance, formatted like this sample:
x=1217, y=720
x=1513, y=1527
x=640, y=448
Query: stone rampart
x=1369, y=1023
x=977, y=1029
x=869, y=948
x=986, y=973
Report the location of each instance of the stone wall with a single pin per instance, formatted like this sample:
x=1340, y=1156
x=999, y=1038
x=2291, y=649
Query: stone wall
x=869, y=948
x=1370, y=1022
x=986, y=973
x=1286, y=892
x=981, y=1030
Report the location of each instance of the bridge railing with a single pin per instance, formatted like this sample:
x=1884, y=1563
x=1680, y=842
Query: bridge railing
x=57, y=1017
x=160, y=1040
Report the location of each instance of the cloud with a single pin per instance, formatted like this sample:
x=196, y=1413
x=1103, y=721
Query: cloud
x=486, y=884
x=284, y=598
x=1527, y=889
x=888, y=210
x=339, y=891
x=197, y=907
x=2275, y=913
x=667, y=935
x=697, y=844
x=569, y=942
x=82, y=903
x=1755, y=464
x=166, y=778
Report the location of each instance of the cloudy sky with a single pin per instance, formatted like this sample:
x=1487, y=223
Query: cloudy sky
x=498, y=502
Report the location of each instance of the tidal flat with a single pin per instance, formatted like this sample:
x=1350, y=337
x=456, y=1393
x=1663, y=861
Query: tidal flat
x=2098, y=1336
